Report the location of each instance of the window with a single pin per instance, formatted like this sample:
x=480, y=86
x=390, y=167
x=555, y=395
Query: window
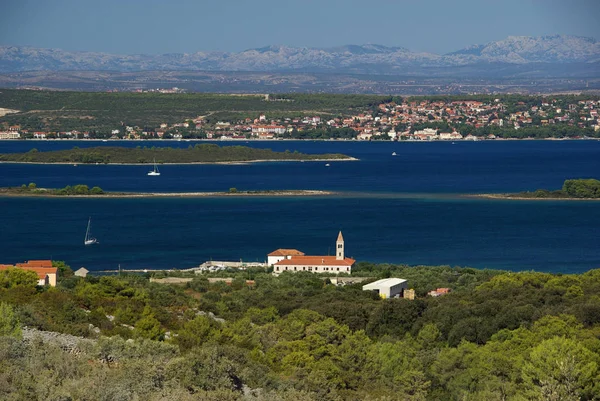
x=340, y=246
x=277, y=268
x=339, y=254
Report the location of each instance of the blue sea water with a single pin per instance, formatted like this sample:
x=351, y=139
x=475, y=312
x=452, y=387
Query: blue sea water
x=397, y=209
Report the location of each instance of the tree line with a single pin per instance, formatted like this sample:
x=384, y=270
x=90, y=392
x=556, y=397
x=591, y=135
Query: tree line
x=497, y=336
x=200, y=153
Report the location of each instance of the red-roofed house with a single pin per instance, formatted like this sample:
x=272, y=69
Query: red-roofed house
x=281, y=254
x=316, y=264
x=43, y=268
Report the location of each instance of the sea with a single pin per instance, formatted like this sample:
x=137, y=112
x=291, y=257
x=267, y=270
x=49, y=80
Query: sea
x=405, y=208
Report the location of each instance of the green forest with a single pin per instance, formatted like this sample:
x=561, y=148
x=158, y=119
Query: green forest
x=69, y=190
x=497, y=335
x=94, y=111
x=572, y=189
x=200, y=153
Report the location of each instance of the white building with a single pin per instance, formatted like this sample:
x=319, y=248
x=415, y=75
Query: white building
x=280, y=254
x=315, y=264
x=450, y=136
x=9, y=135
x=387, y=287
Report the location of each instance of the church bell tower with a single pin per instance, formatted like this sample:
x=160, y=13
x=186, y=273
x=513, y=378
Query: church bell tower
x=339, y=247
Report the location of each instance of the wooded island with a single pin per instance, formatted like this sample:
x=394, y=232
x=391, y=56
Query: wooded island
x=572, y=189
x=84, y=191
x=200, y=153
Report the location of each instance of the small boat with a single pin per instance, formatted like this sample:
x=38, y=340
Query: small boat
x=327, y=165
x=104, y=140
x=393, y=153
x=74, y=165
x=155, y=171
x=89, y=240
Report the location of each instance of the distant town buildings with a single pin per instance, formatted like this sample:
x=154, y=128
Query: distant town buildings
x=292, y=260
x=410, y=119
x=9, y=135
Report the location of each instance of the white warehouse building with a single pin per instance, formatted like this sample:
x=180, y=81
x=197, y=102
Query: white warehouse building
x=387, y=287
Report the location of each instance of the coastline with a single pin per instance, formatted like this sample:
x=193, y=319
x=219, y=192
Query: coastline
x=523, y=198
x=241, y=162
x=212, y=140
x=120, y=195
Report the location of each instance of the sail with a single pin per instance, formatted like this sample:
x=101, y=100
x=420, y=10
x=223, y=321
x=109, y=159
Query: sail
x=89, y=240
x=155, y=170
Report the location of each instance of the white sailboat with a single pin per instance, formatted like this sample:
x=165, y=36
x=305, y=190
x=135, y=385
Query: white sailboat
x=393, y=153
x=155, y=171
x=89, y=240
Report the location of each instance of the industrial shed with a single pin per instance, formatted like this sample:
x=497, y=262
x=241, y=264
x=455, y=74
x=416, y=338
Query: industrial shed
x=387, y=287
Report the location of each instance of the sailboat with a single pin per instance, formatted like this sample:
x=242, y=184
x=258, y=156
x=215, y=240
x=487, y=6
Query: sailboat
x=393, y=153
x=155, y=171
x=89, y=240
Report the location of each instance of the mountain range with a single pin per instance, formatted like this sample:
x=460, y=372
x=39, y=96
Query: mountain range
x=560, y=50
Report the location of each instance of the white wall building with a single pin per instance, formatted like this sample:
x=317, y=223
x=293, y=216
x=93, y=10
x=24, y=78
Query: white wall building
x=9, y=135
x=280, y=254
x=315, y=264
x=387, y=287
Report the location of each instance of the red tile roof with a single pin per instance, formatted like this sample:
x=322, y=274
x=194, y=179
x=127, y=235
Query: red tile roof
x=42, y=272
x=36, y=263
x=315, y=261
x=286, y=252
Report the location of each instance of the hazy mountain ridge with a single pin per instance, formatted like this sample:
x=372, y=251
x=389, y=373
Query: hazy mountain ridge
x=368, y=58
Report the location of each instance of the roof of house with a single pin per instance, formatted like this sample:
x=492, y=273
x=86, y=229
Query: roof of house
x=36, y=263
x=82, y=270
x=315, y=261
x=286, y=252
x=41, y=272
x=383, y=283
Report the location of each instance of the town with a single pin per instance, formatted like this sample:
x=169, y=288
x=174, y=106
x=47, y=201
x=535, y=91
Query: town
x=411, y=119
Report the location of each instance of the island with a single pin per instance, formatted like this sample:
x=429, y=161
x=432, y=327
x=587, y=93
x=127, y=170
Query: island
x=84, y=191
x=198, y=154
x=575, y=189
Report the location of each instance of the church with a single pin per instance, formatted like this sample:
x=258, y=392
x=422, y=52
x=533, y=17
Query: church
x=293, y=260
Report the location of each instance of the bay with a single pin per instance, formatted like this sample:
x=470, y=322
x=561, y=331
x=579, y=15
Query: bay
x=396, y=209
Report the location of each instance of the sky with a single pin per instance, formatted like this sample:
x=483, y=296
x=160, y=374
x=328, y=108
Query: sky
x=188, y=26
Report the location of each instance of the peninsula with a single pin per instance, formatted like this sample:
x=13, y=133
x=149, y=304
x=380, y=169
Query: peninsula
x=200, y=153
x=577, y=189
x=84, y=191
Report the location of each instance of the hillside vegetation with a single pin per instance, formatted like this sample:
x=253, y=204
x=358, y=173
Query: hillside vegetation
x=93, y=111
x=496, y=336
x=200, y=153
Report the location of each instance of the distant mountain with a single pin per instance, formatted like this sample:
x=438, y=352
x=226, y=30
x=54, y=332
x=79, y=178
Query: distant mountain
x=361, y=59
x=526, y=49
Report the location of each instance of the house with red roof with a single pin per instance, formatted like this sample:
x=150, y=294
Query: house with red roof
x=47, y=274
x=293, y=260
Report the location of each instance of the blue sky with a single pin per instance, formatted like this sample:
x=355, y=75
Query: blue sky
x=187, y=26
